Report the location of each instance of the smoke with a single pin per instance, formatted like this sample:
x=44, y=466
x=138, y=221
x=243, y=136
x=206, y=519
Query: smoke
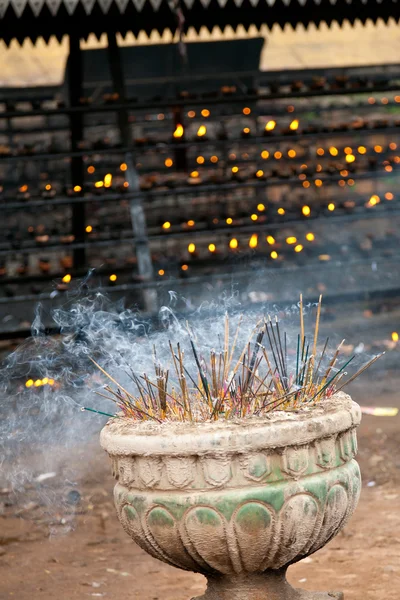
x=45, y=381
x=41, y=424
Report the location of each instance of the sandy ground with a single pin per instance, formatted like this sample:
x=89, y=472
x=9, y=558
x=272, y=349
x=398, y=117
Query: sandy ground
x=80, y=551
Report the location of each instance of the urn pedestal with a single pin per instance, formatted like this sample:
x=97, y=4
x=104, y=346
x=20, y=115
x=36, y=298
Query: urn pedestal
x=238, y=501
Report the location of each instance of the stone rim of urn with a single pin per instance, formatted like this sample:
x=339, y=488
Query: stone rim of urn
x=238, y=501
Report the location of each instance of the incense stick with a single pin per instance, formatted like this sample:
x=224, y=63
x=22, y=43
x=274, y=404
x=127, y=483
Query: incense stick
x=259, y=382
x=99, y=412
x=301, y=319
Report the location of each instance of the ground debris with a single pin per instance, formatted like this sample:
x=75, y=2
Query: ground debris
x=27, y=508
x=45, y=476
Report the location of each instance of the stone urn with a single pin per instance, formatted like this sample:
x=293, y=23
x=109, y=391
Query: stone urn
x=238, y=501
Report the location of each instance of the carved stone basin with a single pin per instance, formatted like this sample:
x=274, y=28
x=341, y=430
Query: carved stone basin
x=238, y=501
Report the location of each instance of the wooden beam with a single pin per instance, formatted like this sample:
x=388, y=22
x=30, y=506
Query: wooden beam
x=138, y=217
x=75, y=88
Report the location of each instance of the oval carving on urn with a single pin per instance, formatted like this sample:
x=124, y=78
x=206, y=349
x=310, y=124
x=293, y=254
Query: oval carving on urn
x=149, y=470
x=255, y=466
x=165, y=533
x=295, y=460
x=326, y=452
x=253, y=524
x=354, y=444
x=217, y=471
x=132, y=524
x=346, y=446
x=335, y=510
x=301, y=508
x=180, y=471
x=126, y=469
x=205, y=528
x=130, y=521
x=336, y=507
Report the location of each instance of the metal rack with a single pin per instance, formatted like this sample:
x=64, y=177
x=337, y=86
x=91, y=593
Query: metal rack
x=263, y=100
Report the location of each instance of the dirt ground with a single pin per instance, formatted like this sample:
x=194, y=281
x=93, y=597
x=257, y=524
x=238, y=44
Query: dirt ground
x=80, y=551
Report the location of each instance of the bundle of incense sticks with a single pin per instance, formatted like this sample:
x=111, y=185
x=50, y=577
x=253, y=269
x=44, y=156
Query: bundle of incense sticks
x=259, y=381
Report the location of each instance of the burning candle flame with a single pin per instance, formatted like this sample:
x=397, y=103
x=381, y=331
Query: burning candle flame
x=233, y=243
x=39, y=382
x=179, y=131
x=253, y=242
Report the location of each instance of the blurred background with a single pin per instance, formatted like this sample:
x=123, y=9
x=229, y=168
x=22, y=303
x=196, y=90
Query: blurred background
x=224, y=145
x=188, y=153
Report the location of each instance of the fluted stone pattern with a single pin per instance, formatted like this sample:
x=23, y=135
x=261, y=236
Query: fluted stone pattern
x=234, y=500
